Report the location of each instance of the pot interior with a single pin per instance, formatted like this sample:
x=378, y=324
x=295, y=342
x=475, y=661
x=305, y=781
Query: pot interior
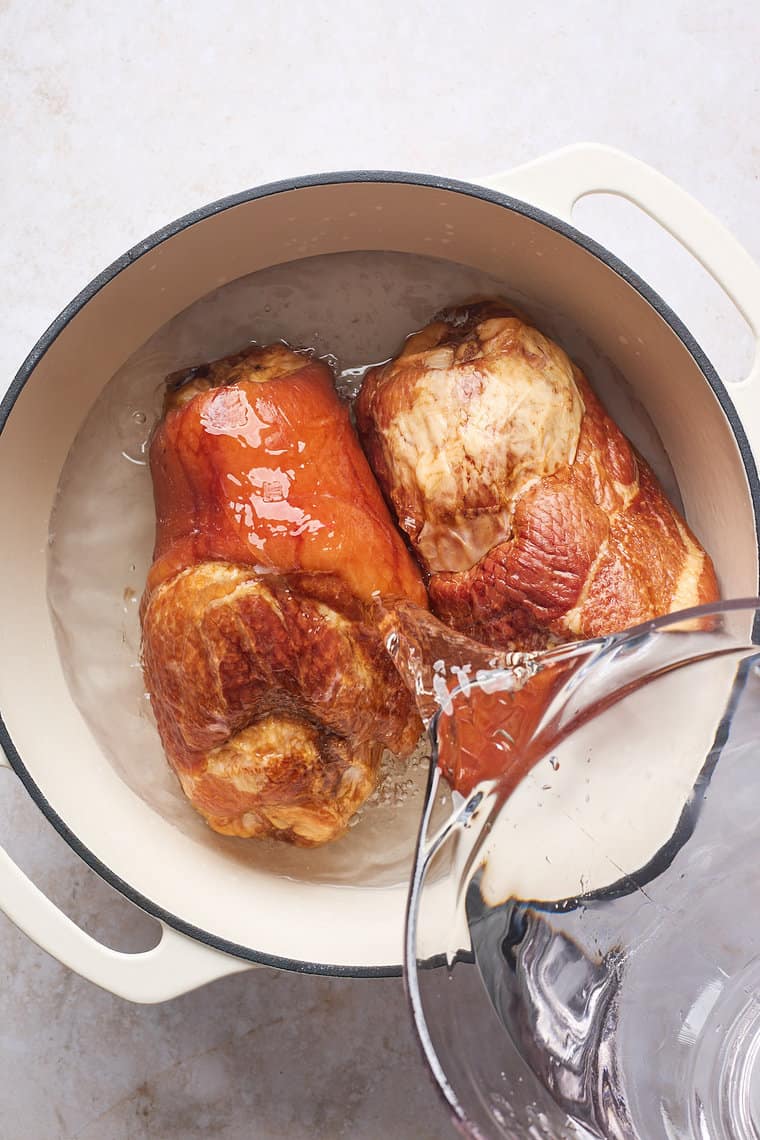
x=281, y=266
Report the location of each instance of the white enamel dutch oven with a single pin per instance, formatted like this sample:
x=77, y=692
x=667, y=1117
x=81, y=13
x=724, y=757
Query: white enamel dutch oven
x=220, y=915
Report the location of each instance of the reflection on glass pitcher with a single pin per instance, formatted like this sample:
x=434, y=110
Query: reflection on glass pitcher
x=583, y=943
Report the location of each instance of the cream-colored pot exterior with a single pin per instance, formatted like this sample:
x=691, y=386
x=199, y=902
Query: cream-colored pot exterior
x=220, y=916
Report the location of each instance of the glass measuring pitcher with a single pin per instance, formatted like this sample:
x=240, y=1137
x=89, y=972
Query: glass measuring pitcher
x=583, y=938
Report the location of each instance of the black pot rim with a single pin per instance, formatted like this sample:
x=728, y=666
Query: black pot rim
x=194, y=217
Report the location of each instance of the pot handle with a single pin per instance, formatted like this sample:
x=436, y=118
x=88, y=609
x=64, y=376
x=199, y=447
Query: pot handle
x=556, y=182
x=175, y=966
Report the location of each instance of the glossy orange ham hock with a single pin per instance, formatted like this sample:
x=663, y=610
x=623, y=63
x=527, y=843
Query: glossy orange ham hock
x=535, y=519
x=272, y=690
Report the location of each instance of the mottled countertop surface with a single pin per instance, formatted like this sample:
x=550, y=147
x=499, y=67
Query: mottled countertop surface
x=117, y=119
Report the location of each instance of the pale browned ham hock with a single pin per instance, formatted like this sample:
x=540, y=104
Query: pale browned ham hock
x=535, y=519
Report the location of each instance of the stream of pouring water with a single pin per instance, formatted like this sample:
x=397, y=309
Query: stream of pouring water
x=579, y=775
x=583, y=723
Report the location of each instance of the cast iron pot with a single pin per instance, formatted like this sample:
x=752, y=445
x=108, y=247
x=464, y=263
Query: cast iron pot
x=219, y=916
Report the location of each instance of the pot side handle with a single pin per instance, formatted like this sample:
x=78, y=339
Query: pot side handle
x=175, y=966
x=556, y=182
